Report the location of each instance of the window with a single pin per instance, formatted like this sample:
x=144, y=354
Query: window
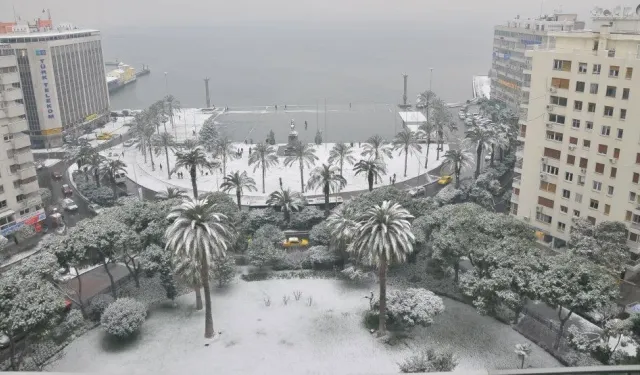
x=543, y=218
x=635, y=218
x=576, y=213
x=581, y=180
x=579, y=86
x=633, y=236
x=614, y=172
x=602, y=149
x=616, y=153
x=8, y=137
x=597, y=185
x=582, y=68
x=547, y=186
x=611, y=91
x=568, y=176
x=614, y=71
x=586, y=143
x=559, y=119
x=577, y=105
x=578, y=198
x=571, y=159
x=610, y=190
x=596, y=67
x=638, y=158
x=566, y=194
x=564, y=65
x=552, y=153
x=594, y=204
x=607, y=209
x=560, y=83
x=605, y=130
x=591, y=107
x=546, y=168
x=620, y=132
x=561, y=226
x=3, y=203
x=593, y=88
x=588, y=125
x=573, y=140
x=545, y=202
x=625, y=94
x=584, y=162
x=632, y=196
x=591, y=219
x=635, y=177
x=554, y=136
x=623, y=114
x=564, y=209
x=608, y=111
x=558, y=100
x=575, y=123
x=629, y=73
x=599, y=168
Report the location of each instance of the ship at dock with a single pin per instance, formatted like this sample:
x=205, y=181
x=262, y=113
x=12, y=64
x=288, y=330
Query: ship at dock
x=124, y=75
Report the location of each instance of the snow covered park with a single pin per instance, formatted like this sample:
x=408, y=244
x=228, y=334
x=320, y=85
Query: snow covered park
x=326, y=336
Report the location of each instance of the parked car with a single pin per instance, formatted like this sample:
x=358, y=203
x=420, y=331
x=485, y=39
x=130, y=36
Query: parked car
x=129, y=143
x=104, y=136
x=121, y=177
x=295, y=241
x=69, y=205
x=417, y=191
x=56, y=175
x=95, y=209
x=444, y=180
x=66, y=190
x=462, y=114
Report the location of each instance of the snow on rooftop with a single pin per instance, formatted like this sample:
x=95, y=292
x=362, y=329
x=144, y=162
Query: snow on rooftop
x=482, y=87
x=412, y=117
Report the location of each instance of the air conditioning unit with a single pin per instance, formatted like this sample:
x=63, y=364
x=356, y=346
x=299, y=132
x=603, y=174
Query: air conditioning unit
x=549, y=125
x=613, y=160
x=538, y=208
x=526, y=218
x=543, y=159
x=583, y=170
x=552, y=89
x=543, y=176
x=638, y=208
x=550, y=107
x=572, y=147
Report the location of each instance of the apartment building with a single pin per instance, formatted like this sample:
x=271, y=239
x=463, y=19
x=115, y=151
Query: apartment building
x=20, y=202
x=580, y=139
x=510, y=42
x=63, y=79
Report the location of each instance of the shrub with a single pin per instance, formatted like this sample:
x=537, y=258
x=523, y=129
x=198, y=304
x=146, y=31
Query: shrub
x=322, y=258
x=71, y=322
x=271, y=233
x=123, y=317
x=257, y=218
x=306, y=218
x=101, y=195
x=320, y=234
x=293, y=260
x=98, y=304
x=411, y=307
x=223, y=270
x=355, y=274
x=429, y=361
x=262, y=252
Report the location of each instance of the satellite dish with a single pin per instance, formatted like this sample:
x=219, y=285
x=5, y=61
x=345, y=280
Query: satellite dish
x=638, y=10
x=626, y=11
x=596, y=12
x=606, y=12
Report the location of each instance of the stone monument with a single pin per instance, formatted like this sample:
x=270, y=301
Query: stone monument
x=292, y=140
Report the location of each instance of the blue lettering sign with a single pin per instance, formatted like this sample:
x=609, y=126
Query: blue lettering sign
x=45, y=83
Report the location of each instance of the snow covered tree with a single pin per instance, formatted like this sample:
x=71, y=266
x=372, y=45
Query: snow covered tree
x=271, y=138
x=429, y=361
x=413, y=306
x=45, y=194
x=155, y=259
x=270, y=232
x=604, y=344
x=123, y=317
x=318, y=138
x=575, y=285
x=263, y=252
x=320, y=234
x=223, y=270
x=208, y=134
x=604, y=244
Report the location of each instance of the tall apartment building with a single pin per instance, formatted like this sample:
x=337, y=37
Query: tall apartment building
x=510, y=42
x=63, y=80
x=581, y=139
x=20, y=202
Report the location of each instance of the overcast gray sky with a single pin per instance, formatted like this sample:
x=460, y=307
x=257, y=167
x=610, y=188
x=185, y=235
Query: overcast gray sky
x=106, y=14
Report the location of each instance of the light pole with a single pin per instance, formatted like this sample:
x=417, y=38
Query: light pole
x=166, y=84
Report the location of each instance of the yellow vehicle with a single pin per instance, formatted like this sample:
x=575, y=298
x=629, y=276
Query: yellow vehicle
x=104, y=136
x=444, y=180
x=294, y=242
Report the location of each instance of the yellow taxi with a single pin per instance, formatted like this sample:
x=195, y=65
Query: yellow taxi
x=104, y=136
x=444, y=180
x=295, y=241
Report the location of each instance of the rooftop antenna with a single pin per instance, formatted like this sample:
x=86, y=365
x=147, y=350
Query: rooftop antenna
x=15, y=18
x=49, y=13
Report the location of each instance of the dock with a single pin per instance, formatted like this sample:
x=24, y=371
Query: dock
x=145, y=70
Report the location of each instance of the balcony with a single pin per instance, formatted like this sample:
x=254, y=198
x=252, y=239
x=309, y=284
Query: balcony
x=8, y=61
x=9, y=78
x=29, y=187
x=517, y=168
x=11, y=94
x=31, y=201
x=516, y=182
x=520, y=152
x=514, y=198
x=18, y=126
x=27, y=171
x=12, y=111
x=23, y=157
x=20, y=141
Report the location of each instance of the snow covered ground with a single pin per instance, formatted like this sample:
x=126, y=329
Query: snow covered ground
x=324, y=338
x=157, y=180
x=482, y=87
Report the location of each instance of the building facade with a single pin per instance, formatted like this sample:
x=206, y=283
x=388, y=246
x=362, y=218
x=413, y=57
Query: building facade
x=510, y=42
x=63, y=80
x=580, y=143
x=20, y=202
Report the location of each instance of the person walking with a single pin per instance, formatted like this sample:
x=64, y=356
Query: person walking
x=160, y=166
x=305, y=125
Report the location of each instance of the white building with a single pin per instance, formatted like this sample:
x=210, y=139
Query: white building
x=580, y=137
x=63, y=80
x=510, y=41
x=20, y=201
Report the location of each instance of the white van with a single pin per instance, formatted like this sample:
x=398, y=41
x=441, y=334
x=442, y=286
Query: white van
x=121, y=177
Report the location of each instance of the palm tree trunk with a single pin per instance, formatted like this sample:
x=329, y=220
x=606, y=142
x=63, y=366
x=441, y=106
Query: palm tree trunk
x=224, y=165
x=287, y=216
x=438, y=145
x=426, y=157
x=382, y=328
x=143, y=149
x=301, y=177
x=406, y=156
x=198, y=297
x=478, y=156
x=114, y=186
x=194, y=185
x=341, y=163
x=370, y=180
x=208, y=317
x=326, y=199
x=264, y=171
x=457, y=173
x=96, y=177
x=238, y=199
x=153, y=166
x=493, y=149
x=166, y=152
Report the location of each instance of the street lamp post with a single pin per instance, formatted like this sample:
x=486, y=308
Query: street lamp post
x=166, y=84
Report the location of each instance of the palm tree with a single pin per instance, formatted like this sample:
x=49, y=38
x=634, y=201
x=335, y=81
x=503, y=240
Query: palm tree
x=137, y=127
x=329, y=179
x=426, y=129
x=171, y=193
x=481, y=138
x=111, y=168
x=224, y=150
x=189, y=272
x=342, y=225
x=373, y=169
x=377, y=148
x=304, y=154
x=341, y=152
x=383, y=236
x=148, y=134
x=161, y=143
x=456, y=161
x=95, y=161
x=406, y=142
x=173, y=105
x=287, y=200
x=263, y=156
x=443, y=120
x=199, y=234
x=238, y=181
x=191, y=160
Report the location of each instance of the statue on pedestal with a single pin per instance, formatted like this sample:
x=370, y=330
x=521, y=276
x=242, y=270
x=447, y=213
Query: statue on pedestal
x=293, y=138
